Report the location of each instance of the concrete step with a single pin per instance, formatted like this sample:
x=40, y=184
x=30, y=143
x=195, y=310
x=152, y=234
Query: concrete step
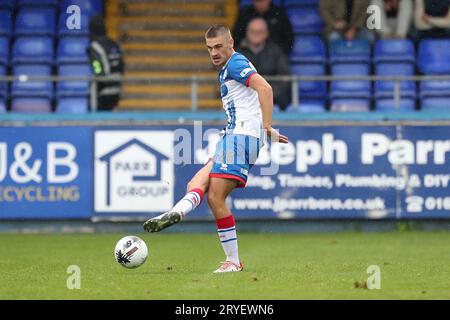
x=139, y=104
x=164, y=22
x=165, y=63
x=168, y=89
x=178, y=2
x=171, y=9
x=165, y=76
x=162, y=36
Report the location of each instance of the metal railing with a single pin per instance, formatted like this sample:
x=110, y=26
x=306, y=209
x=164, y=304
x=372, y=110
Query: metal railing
x=196, y=80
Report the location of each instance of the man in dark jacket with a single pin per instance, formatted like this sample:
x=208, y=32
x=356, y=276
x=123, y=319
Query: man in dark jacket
x=106, y=60
x=268, y=59
x=345, y=19
x=432, y=19
x=280, y=28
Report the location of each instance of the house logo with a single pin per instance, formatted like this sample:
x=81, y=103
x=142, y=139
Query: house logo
x=134, y=171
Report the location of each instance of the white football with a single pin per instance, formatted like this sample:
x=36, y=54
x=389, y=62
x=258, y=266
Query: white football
x=131, y=252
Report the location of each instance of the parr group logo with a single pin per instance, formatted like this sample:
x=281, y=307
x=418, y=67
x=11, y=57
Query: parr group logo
x=134, y=171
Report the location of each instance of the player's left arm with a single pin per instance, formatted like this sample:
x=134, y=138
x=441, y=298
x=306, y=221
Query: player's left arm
x=265, y=95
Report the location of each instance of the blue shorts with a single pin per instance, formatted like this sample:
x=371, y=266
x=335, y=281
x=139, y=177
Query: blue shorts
x=234, y=157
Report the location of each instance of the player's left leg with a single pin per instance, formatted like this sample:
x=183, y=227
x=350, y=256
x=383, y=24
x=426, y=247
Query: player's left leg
x=219, y=189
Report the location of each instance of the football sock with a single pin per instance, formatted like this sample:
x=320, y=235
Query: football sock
x=226, y=228
x=190, y=201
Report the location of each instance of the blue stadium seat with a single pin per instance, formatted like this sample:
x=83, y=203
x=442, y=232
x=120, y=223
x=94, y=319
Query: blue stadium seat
x=83, y=31
x=3, y=84
x=305, y=20
x=435, y=95
x=300, y=3
x=72, y=50
x=434, y=56
x=32, y=88
x=435, y=103
x=310, y=89
x=350, y=95
x=37, y=3
x=308, y=49
x=434, y=88
x=33, y=50
x=7, y=4
x=385, y=89
x=6, y=24
x=2, y=106
x=31, y=105
x=89, y=7
x=4, y=51
x=32, y=21
x=388, y=104
x=72, y=105
x=73, y=88
x=354, y=51
x=309, y=106
x=394, y=50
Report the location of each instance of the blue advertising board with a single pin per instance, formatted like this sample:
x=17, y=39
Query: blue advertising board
x=45, y=172
x=362, y=171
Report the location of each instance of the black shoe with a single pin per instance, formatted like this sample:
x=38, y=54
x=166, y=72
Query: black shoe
x=158, y=224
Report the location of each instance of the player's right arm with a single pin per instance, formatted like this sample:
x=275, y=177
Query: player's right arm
x=265, y=94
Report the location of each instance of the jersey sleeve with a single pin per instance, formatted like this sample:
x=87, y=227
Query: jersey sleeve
x=241, y=70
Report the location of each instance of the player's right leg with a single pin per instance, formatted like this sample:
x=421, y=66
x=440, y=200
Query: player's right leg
x=196, y=189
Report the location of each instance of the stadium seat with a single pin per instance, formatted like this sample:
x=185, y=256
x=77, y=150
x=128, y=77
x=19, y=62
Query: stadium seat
x=434, y=56
x=73, y=88
x=4, y=51
x=32, y=21
x=34, y=3
x=72, y=105
x=6, y=23
x=354, y=51
x=33, y=50
x=7, y=4
x=300, y=3
x=310, y=89
x=350, y=95
x=305, y=20
x=63, y=30
x=31, y=105
x=388, y=104
x=89, y=7
x=72, y=50
x=385, y=89
x=308, y=49
x=32, y=88
x=394, y=50
x=2, y=106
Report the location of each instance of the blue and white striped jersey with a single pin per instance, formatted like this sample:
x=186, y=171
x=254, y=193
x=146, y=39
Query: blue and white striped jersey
x=241, y=103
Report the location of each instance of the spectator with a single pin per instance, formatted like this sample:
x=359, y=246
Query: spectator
x=396, y=16
x=268, y=59
x=280, y=28
x=432, y=19
x=345, y=19
x=106, y=59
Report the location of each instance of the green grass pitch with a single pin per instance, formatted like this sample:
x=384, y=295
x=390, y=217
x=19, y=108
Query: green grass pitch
x=414, y=265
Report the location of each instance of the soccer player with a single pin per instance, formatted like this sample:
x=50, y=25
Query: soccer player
x=248, y=102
